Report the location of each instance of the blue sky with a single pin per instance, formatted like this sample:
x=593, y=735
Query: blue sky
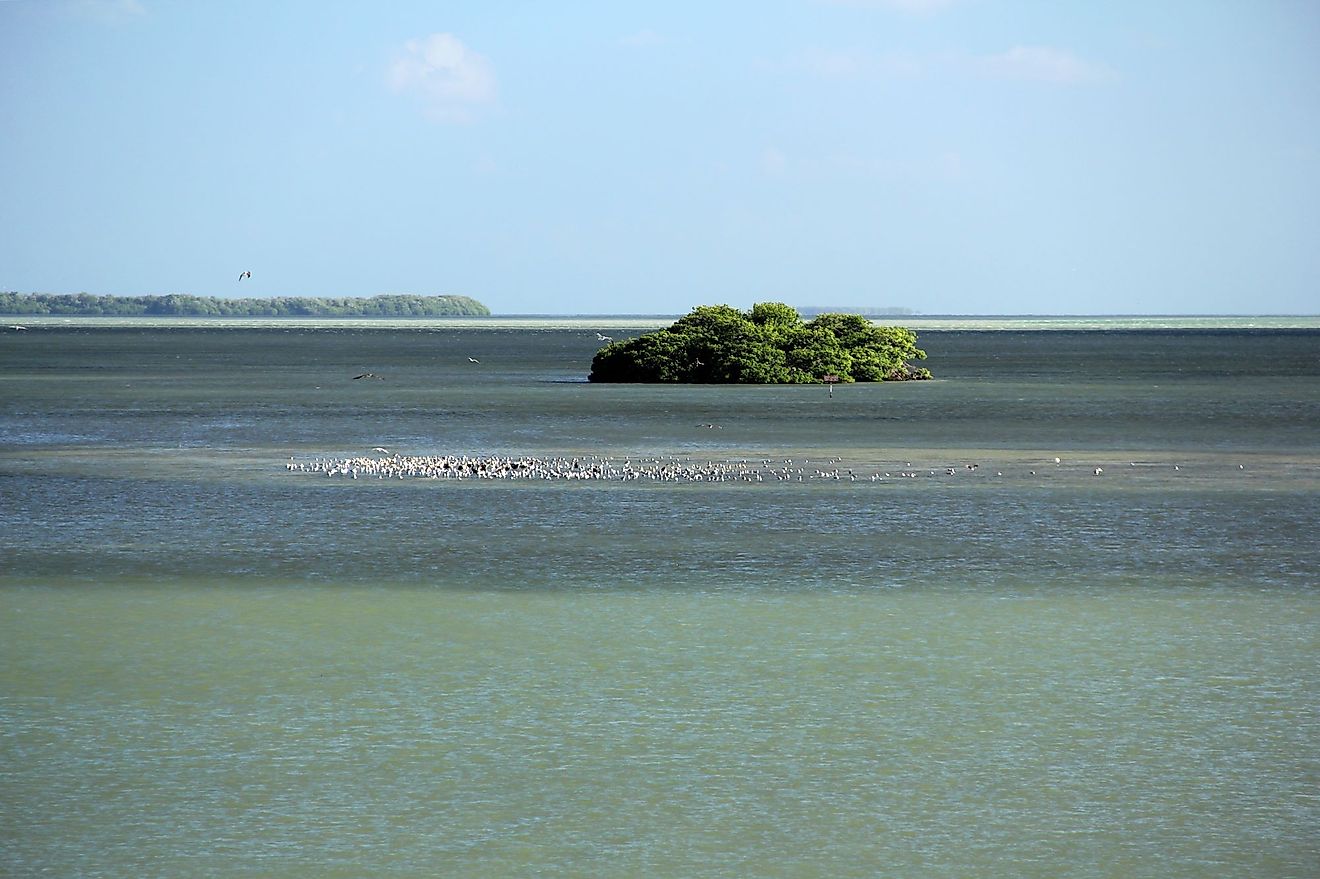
x=951, y=156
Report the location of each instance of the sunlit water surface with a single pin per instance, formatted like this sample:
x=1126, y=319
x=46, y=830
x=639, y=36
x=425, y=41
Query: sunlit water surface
x=210, y=666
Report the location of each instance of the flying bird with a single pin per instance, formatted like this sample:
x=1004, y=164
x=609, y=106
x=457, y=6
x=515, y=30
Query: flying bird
x=242, y=275
x=473, y=360
x=383, y=451
x=602, y=338
x=365, y=375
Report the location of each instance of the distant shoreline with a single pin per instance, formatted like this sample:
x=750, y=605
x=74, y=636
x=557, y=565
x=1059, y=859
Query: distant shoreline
x=386, y=305
x=651, y=322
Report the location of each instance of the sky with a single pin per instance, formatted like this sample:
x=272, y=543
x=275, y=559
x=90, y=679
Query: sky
x=947, y=156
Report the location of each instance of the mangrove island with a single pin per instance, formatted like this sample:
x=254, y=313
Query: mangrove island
x=770, y=344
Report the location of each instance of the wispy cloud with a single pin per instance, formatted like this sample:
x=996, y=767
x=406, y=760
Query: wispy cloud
x=451, y=79
x=1042, y=64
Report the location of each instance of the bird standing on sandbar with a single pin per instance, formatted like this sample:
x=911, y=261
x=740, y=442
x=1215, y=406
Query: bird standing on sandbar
x=242, y=275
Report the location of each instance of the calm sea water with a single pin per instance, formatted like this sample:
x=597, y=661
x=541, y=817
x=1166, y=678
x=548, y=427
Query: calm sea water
x=214, y=667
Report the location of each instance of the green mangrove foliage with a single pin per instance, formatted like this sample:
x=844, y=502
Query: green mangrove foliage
x=184, y=305
x=771, y=344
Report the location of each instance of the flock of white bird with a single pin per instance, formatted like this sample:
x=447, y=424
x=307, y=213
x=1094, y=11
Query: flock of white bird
x=383, y=464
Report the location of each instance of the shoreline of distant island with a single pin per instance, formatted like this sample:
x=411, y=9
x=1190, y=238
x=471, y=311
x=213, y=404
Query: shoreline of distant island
x=388, y=310
x=386, y=305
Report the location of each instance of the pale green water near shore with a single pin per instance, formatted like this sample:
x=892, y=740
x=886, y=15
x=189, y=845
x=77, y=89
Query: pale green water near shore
x=280, y=731
x=210, y=666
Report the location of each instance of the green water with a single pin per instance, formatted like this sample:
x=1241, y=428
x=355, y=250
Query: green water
x=286, y=731
x=212, y=667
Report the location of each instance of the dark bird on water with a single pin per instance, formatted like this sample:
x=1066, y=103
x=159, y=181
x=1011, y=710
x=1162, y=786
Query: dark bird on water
x=242, y=275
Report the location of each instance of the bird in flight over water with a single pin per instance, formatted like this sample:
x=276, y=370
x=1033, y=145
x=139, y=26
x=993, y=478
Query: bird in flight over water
x=602, y=338
x=473, y=360
x=242, y=275
x=365, y=375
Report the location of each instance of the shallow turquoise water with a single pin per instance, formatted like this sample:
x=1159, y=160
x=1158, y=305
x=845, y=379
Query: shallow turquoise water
x=210, y=666
x=213, y=730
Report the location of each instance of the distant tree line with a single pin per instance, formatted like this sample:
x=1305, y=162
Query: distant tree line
x=771, y=344
x=185, y=305
x=889, y=311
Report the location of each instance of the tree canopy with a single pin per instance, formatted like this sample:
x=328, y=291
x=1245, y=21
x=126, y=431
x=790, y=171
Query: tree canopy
x=185, y=305
x=771, y=344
